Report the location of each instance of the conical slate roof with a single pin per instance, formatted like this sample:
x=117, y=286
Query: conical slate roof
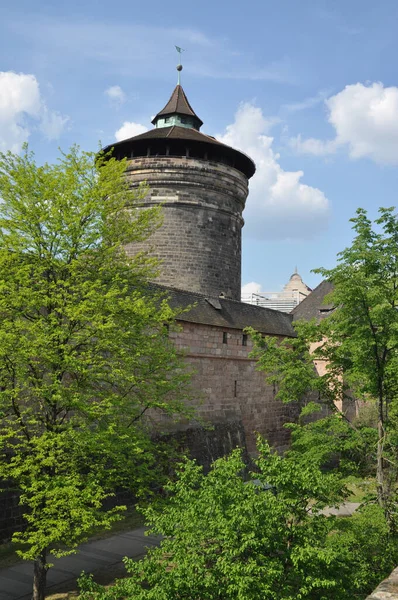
x=173, y=139
x=178, y=104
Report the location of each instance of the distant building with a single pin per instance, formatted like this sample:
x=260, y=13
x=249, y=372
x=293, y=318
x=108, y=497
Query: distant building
x=294, y=292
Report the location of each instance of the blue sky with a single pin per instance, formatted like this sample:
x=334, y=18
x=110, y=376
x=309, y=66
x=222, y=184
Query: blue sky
x=309, y=89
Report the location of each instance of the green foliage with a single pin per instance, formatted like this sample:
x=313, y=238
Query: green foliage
x=332, y=443
x=363, y=332
x=363, y=335
x=83, y=348
x=359, y=344
x=224, y=538
x=366, y=548
x=288, y=362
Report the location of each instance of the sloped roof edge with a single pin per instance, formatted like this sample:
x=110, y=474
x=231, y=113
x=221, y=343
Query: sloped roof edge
x=232, y=314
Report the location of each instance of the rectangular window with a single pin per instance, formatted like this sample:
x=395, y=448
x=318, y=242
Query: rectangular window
x=244, y=339
x=225, y=337
x=167, y=120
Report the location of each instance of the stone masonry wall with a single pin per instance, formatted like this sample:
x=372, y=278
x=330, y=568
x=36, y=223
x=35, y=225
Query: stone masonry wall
x=205, y=444
x=229, y=388
x=388, y=589
x=10, y=512
x=199, y=242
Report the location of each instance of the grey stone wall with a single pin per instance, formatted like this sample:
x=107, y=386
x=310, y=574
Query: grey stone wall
x=205, y=444
x=10, y=512
x=388, y=589
x=199, y=242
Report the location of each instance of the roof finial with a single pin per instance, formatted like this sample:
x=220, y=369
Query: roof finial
x=179, y=66
x=295, y=270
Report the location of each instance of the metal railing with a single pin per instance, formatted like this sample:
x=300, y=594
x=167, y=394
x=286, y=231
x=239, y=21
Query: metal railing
x=283, y=301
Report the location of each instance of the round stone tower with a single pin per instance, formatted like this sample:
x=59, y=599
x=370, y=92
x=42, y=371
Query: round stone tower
x=202, y=186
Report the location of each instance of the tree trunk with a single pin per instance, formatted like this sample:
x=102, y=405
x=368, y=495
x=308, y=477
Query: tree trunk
x=380, y=465
x=40, y=569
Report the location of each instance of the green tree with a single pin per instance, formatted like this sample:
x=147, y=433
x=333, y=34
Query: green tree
x=261, y=539
x=363, y=333
x=84, y=351
x=359, y=342
x=326, y=436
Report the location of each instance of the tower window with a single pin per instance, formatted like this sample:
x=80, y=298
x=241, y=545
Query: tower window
x=244, y=339
x=167, y=120
x=225, y=337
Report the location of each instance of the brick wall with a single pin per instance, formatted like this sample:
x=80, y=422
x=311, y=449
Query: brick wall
x=228, y=387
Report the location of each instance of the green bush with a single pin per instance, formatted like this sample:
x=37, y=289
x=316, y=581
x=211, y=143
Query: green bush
x=225, y=538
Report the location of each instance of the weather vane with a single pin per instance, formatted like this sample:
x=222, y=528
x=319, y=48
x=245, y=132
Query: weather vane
x=179, y=66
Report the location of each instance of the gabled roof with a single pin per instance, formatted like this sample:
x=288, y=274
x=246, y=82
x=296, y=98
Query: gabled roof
x=313, y=307
x=223, y=312
x=178, y=104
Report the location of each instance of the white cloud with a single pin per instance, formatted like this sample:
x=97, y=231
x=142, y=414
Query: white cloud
x=129, y=129
x=279, y=205
x=365, y=120
x=115, y=94
x=251, y=288
x=309, y=102
x=22, y=109
x=313, y=146
x=52, y=123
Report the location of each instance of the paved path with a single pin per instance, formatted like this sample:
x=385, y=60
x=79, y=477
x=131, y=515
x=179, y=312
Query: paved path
x=16, y=581
x=344, y=510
